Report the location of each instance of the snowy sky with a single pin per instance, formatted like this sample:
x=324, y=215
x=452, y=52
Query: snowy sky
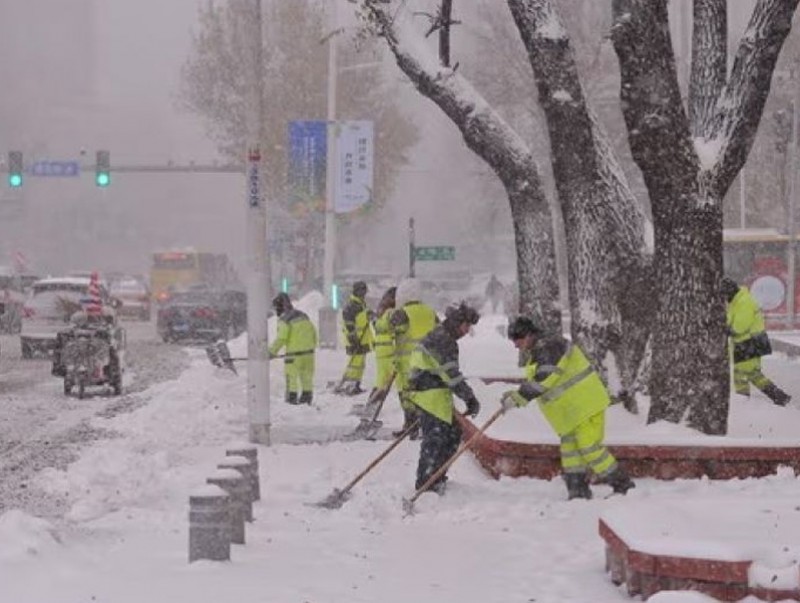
x=124, y=538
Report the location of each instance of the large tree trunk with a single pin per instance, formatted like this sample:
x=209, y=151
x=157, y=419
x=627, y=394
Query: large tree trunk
x=687, y=179
x=689, y=363
x=491, y=138
x=603, y=221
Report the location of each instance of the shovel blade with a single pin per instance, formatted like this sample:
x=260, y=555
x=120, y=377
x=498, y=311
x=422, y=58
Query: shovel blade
x=364, y=430
x=334, y=500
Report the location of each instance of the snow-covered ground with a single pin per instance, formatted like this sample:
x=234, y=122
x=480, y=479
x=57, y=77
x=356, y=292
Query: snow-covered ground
x=125, y=536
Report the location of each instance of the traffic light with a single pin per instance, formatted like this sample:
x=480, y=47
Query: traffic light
x=15, y=169
x=102, y=175
x=285, y=285
x=335, y=296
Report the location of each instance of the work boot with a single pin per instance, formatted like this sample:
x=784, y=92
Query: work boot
x=306, y=398
x=619, y=481
x=291, y=397
x=439, y=486
x=355, y=388
x=777, y=395
x=577, y=486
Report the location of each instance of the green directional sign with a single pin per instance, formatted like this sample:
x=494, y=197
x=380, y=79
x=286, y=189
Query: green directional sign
x=434, y=254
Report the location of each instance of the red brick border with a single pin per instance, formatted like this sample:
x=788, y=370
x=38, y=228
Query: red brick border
x=519, y=459
x=645, y=574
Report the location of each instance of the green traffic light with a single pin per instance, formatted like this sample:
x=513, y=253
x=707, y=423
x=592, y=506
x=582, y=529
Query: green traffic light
x=103, y=179
x=15, y=180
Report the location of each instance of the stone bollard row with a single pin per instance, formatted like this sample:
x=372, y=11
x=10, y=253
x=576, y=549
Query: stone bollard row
x=209, y=524
x=219, y=510
x=249, y=452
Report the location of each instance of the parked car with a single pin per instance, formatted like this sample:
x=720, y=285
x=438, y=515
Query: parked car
x=48, y=309
x=202, y=314
x=11, y=300
x=133, y=297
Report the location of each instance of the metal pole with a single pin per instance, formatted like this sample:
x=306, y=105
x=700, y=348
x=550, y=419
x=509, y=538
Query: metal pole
x=791, y=284
x=411, y=254
x=331, y=167
x=258, y=282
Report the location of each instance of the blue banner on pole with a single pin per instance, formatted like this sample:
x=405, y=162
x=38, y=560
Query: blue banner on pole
x=308, y=142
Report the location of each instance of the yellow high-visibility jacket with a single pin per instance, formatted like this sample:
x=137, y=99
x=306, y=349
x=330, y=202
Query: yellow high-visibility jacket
x=560, y=377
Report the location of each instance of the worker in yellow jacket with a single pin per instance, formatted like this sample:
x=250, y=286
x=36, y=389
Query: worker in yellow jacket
x=750, y=342
x=357, y=338
x=573, y=399
x=297, y=333
x=383, y=340
x=434, y=378
x=411, y=320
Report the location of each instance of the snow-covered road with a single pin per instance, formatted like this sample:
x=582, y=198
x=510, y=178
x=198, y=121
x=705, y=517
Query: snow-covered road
x=41, y=427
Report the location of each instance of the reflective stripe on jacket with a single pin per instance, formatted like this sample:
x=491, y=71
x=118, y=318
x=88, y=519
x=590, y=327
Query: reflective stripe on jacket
x=296, y=332
x=435, y=375
x=565, y=385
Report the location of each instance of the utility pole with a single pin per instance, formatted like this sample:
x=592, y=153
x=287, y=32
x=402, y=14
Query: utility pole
x=331, y=167
x=258, y=281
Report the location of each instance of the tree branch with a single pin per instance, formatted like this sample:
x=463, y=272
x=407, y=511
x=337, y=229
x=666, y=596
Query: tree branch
x=742, y=103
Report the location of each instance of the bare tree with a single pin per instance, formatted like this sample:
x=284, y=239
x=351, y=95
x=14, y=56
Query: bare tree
x=688, y=165
x=603, y=222
x=686, y=179
x=215, y=87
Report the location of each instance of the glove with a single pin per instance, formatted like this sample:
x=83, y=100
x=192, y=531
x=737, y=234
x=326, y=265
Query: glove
x=512, y=399
x=473, y=408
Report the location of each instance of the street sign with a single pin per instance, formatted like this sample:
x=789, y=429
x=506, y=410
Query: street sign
x=253, y=179
x=58, y=169
x=434, y=254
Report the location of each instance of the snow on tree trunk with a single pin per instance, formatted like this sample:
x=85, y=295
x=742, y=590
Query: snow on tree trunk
x=689, y=363
x=687, y=180
x=603, y=221
x=492, y=139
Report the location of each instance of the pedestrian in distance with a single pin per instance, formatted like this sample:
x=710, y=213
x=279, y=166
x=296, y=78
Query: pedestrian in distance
x=411, y=320
x=358, y=340
x=495, y=292
x=298, y=335
x=750, y=342
x=434, y=378
x=573, y=399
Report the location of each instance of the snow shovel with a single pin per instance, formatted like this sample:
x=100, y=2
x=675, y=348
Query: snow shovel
x=369, y=425
x=220, y=356
x=408, y=503
x=339, y=496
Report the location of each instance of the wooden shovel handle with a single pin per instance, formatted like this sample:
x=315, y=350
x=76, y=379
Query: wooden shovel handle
x=380, y=457
x=461, y=449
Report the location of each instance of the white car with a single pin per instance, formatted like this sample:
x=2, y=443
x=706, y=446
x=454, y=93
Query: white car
x=48, y=309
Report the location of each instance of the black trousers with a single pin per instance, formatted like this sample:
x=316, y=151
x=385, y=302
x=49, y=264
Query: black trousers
x=440, y=441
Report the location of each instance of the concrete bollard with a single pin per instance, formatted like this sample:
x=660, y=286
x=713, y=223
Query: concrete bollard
x=209, y=524
x=234, y=484
x=249, y=452
x=242, y=466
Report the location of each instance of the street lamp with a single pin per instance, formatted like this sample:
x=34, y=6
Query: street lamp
x=330, y=178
